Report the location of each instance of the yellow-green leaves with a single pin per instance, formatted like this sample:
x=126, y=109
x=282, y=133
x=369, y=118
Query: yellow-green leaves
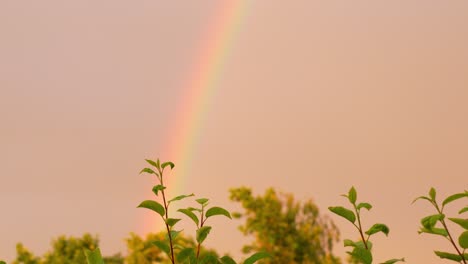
x=430, y=221
x=189, y=212
x=362, y=254
x=154, y=206
x=454, y=197
x=180, y=197
x=165, y=164
x=186, y=255
x=352, y=195
x=197, y=215
x=463, y=240
x=432, y=194
x=158, y=188
x=148, y=170
x=172, y=221
x=461, y=222
x=153, y=163
x=451, y=256
x=163, y=246
x=361, y=249
x=391, y=261
x=463, y=210
x=227, y=260
x=92, y=257
x=217, y=211
x=429, y=225
x=368, y=206
x=202, y=201
x=255, y=257
x=378, y=228
x=343, y=212
x=202, y=233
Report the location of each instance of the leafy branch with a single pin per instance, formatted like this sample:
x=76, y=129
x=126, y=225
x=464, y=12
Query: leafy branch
x=429, y=225
x=362, y=248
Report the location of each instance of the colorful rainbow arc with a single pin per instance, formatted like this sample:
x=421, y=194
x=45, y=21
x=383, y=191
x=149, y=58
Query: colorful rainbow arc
x=200, y=90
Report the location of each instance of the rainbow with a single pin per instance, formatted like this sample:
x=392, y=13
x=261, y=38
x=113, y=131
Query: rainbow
x=202, y=84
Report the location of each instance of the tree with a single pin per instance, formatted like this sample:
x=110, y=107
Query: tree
x=69, y=250
x=65, y=250
x=24, y=256
x=291, y=231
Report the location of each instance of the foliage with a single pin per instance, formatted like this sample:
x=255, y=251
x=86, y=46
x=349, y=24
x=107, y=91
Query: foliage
x=24, y=256
x=362, y=249
x=65, y=250
x=143, y=251
x=290, y=231
x=198, y=215
x=430, y=225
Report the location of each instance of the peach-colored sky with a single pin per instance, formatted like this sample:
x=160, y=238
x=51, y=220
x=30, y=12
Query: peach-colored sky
x=315, y=96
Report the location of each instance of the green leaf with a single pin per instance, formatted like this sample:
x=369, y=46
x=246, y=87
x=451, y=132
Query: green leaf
x=362, y=254
x=194, y=209
x=422, y=198
x=152, y=163
x=180, y=197
x=148, y=170
x=463, y=240
x=352, y=195
x=163, y=246
x=202, y=233
x=227, y=260
x=343, y=212
x=454, y=197
x=430, y=221
x=165, y=164
x=361, y=244
x=174, y=234
x=432, y=194
x=172, y=221
x=92, y=257
x=368, y=206
x=461, y=222
x=378, y=228
x=209, y=258
x=3, y=262
x=391, y=261
x=256, y=257
x=185, y=254
x=435, y=231
x=446, y=255
x=465, y=209
x=349, y=243
x=153, y=205
x=158, y=188
x=217, y=211
x=190, y=214
x=202, y=201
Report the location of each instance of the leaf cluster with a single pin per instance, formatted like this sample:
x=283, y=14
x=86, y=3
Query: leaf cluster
x=198, y=215
x=361, y=249
x=436, y=224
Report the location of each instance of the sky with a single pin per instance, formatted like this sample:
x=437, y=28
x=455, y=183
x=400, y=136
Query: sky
x=308, y=97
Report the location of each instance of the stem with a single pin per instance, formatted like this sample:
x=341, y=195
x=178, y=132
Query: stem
x=449, y=235
x=360, y=227
x=202, y=221
x=166, y=206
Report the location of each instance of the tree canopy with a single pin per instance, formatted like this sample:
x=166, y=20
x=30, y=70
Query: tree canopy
x=293, y=232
